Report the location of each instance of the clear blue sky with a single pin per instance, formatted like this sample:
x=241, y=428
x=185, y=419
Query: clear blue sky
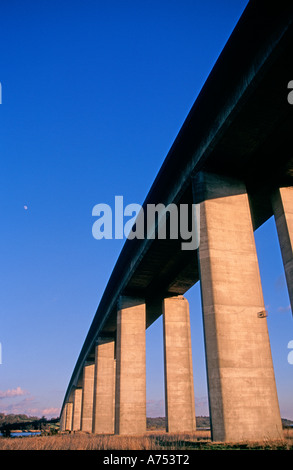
x=94, y=94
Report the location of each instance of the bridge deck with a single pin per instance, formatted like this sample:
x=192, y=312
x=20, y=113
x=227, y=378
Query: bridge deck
x=240, y=126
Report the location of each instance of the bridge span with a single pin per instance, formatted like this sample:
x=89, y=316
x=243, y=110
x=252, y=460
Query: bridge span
x=233, y=159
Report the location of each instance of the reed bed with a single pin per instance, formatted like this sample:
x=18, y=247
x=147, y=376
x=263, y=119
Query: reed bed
x=151, y=441
x=84, y=441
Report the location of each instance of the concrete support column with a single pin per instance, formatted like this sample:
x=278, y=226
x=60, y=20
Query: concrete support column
x=242, y=392
x=104, y=387
x=282, y=201
x=130, y=407
x=87, y=397
x=62, y=419
x=179, y=393
x=76, y=413
x=68, y=419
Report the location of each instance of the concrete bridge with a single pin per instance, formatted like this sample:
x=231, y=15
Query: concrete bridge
x=233, y=158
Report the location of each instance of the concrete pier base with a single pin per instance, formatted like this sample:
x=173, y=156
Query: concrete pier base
x=179, y=390
x=282, y=202
x=104, y=387
x=242, y=391
x=130, y=406
x=87, y=397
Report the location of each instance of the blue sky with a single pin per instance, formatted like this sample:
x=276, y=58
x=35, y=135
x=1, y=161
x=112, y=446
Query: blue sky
x=93, y=96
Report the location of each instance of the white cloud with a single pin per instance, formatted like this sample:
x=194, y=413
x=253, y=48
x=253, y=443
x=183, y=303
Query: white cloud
x=50, y=412
x=280, y=283
x=201, y=406
x=29, y=405
x=15, y=392
x=284, y=309
x=155, y=408
x=21, y=407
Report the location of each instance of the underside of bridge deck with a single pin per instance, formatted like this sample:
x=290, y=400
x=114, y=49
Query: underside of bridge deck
x=240, y=128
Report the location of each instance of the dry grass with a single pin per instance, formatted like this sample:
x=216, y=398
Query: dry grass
x=150, y=441
x=84, y=441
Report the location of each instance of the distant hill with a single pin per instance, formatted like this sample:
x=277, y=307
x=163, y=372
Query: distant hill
x=23, y=422
x=202, y=422
x=11, y=419
x=160, y=423
x=287, y=423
